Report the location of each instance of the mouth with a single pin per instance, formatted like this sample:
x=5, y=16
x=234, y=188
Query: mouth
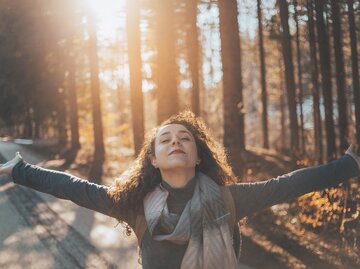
x=177, y=151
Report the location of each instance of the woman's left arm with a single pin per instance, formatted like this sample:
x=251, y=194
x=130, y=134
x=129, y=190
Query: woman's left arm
x=252, y=197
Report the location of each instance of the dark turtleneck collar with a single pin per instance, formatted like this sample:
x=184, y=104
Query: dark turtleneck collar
x=188, y=187
x=178, y=197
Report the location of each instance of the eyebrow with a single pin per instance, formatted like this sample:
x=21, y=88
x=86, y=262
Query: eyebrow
x=181, y=131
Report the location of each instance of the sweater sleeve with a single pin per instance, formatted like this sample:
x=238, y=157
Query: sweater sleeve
x=252, y=197
x=65, y=186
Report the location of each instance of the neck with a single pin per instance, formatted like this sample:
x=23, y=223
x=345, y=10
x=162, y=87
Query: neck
x=177, y=179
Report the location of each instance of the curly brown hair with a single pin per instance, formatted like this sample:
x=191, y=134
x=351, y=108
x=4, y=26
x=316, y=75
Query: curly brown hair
x=142, y=177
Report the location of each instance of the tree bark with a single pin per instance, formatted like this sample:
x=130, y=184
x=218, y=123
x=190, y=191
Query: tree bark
x=340, y=75
x=234, y=134
x=74, y=118
x=282, y=108
x=99, y=154
x=134, y=54
x=354, y=67
x=72, y=95
x=193, y=53
x=28, y=123
x=299, y=73
x=315, y=84
x=167, y=95
x=325, y=68
x=263, y=78
x=289, y=77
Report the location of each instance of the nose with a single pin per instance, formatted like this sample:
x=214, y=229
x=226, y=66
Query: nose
x=176, y=141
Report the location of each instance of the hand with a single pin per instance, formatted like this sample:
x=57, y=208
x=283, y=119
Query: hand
x=352, y=151
x=6, y=168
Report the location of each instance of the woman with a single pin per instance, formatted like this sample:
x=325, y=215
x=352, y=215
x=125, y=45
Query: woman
x=174, y=193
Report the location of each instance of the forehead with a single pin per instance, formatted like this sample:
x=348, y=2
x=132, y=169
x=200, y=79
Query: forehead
x=172, y=128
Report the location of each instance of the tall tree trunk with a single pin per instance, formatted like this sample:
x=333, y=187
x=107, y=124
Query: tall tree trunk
x=289, y=77
x=99, y=154
x=315, y=84
x=61, y=110
x=300, y=84
x=282, y=107
x=167, y=95
x=340, y=86
x=37, y=125
x=193, y=53
x=134, y=54
x=28, y=122
x=234, y=133
x=61, y=126
x=72, y=94
x=263, y=78
x=354, y=67
x=325, y=68
x=340, y=75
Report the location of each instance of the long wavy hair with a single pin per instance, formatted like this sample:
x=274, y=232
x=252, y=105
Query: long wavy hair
x=130, y=189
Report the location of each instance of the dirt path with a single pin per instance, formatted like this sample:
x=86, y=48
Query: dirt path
x=67, y=247
x=39, y=231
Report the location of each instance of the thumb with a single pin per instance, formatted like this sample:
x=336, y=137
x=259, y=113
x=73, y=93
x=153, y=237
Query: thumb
x=18, y=156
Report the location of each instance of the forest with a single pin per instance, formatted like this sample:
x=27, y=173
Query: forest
x=277, y=81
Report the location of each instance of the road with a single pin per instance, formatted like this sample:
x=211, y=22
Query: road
x=40, y=231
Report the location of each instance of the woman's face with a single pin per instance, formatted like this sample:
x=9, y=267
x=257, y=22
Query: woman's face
x=175, y=148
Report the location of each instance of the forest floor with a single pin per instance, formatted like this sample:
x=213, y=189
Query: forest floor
x=273, y=238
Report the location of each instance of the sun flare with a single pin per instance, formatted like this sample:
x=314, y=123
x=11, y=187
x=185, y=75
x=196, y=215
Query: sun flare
x=109, y=16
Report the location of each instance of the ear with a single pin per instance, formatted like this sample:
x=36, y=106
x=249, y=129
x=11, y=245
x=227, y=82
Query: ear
x=198, y=161
x=153, y=161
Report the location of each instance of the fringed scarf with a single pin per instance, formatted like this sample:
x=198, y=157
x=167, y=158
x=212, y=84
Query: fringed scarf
x=203, y=225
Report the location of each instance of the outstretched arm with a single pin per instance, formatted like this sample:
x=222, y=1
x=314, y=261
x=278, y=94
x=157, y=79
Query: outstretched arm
x=61, y=185
x=252, y=197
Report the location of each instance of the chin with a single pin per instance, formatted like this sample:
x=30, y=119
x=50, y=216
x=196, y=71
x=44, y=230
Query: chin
x=180, y=166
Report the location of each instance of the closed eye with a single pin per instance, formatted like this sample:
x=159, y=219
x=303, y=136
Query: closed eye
x=165, y=141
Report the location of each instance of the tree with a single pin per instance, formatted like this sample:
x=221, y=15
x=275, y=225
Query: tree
x=340, y=74
x=99, y=154
x=234, y=133
x=193, y=53
x=325, y=69
x=30, y=66
x=68, y=22
x=354, y=67
x=72, y=95
x=282, y=105
x=167, y=96
x=263, y=78
x=300, y=83
x=289, y=76
x=315, y=84
x=134, y=54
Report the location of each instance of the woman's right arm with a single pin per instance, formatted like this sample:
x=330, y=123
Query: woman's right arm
x=61, y=185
